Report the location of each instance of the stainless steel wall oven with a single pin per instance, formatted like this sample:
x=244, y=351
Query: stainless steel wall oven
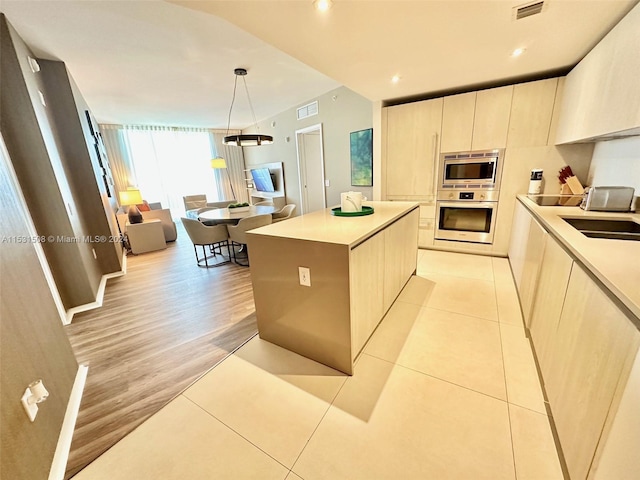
x=467, y=201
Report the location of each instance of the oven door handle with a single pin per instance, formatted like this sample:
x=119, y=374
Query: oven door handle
x=467, y=204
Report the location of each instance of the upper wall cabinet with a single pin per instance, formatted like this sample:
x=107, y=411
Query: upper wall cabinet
x=531, y=112
x=491, y=123
x=476, y=120
x=602, y=95
x=457, y=122
x=412, y=149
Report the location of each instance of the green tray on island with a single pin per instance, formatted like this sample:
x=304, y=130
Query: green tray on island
x=339, y=213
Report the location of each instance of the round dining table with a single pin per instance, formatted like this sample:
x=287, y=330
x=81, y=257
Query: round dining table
x=226, y=215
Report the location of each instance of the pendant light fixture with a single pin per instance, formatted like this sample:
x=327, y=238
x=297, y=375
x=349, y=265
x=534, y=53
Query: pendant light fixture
x=244, y=140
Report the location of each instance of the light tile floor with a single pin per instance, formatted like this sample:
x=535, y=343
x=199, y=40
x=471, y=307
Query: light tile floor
x=445, y=389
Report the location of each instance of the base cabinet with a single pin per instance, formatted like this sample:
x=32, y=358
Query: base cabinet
x=525, y=254
x=618, y=458
x=590, y=356
x=585, y=346
x=379, y=270
x=553, y=279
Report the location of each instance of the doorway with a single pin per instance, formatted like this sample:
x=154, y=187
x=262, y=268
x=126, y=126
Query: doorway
x=311, y=168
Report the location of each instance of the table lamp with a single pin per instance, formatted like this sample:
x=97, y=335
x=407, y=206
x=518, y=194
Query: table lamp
x=132, y=197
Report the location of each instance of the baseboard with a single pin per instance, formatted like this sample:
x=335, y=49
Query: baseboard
x=99, y=295
x=61, y=455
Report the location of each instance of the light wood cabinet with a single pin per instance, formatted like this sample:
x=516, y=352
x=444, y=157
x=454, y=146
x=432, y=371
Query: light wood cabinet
x=491, y=120
x=587, y=352
x=552, y=287
x=517, y=247
x=525, y=256
x=400, y=256
x=412, y=140
x=601, y=97
x=368, y=279
x=426, y=225
x=458, y=112
x=476, y=120
x=593, y=345
x=585, y=345
x=618, y=457
x=531, y=113
x=380, y=267
x=534, y=249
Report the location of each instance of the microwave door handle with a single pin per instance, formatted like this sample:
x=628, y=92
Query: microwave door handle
x=434, y=188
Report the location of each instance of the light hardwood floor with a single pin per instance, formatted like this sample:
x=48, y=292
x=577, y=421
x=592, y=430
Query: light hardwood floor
x=161, y=326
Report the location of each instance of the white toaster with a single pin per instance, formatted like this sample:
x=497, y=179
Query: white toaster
x=608, y=199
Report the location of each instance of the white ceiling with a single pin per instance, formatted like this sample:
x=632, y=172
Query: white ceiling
x=171, y=62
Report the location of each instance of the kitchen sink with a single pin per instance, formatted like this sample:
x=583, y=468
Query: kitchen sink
x=606, y=228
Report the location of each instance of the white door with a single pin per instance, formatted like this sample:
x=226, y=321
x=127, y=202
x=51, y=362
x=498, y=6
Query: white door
x=311, y=168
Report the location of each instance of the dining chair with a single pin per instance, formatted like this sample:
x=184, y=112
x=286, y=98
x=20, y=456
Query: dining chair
x=238, y=233
x=284, y=213
x=211, y=237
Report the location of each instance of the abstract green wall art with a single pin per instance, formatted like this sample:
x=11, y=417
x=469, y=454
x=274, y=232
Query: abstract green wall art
x=362, y=158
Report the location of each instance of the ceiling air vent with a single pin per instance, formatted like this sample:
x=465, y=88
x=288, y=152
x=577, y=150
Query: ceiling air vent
x=308, y=110
x=527, y=10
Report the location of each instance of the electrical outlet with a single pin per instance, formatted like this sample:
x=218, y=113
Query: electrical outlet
x=327, y=183
x=305, y=276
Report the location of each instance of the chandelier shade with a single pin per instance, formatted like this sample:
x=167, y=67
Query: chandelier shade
x=242, y=139
x=247, y=140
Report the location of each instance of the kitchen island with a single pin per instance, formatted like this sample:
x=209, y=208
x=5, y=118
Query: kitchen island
x=355, y=269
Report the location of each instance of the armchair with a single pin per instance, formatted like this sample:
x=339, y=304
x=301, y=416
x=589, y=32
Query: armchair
x=238, y=233
x=196, y=204
x=204, y=236
x=284, y=213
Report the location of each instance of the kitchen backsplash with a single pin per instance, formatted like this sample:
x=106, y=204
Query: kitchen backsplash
x=616, y=163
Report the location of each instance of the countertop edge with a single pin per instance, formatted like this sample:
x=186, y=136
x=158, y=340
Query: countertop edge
x=409, y=206
x=630, y=305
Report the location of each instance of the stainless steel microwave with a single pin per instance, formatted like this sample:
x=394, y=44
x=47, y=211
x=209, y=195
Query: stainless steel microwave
x=477, y=169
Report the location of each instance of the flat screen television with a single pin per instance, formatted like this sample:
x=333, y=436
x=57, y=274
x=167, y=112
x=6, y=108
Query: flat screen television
x=263, y=180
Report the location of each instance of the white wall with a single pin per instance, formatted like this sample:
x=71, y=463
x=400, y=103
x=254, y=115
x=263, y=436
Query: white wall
x=340, y=112
x=616, y=163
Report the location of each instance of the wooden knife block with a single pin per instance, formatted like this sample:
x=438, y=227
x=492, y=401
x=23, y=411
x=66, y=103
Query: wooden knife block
x=572, y=187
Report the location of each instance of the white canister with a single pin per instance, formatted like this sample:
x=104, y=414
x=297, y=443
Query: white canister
x=351, y=201
x=535, y=182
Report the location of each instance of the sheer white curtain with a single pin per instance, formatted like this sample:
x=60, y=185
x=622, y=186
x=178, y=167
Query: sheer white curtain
x=167, y=163
x=235, y=168
x=122, y=169
x=171, y=163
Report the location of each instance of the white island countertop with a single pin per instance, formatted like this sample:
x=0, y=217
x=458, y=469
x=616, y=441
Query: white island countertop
x=322, y=226
x=615, y=263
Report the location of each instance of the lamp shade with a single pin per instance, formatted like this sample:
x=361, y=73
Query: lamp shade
x=218, y=162
x=130, y=197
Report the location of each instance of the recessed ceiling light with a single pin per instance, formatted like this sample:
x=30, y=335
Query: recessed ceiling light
x=517, y=52
x=395, y=79
x=322, y=5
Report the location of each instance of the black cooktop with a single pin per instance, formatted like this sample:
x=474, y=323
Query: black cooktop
x=556, y=200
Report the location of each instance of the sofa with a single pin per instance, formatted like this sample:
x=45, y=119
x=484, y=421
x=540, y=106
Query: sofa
x=162, y=214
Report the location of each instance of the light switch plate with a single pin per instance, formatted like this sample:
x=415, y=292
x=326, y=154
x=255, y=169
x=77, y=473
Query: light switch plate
x=31, y=409
x=305, y=276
